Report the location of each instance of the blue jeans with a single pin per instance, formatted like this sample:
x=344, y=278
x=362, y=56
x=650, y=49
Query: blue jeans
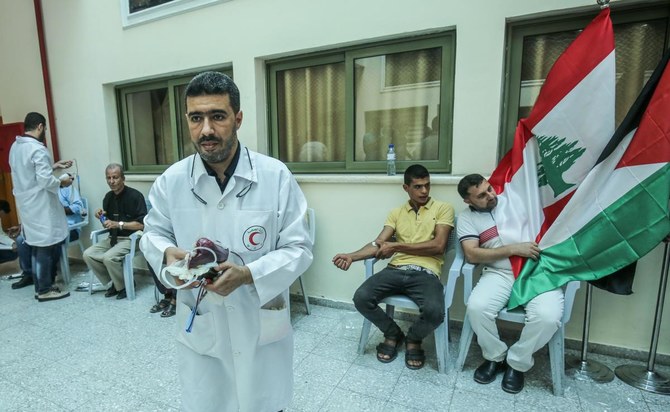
x=25, y=252
x=44, y=271
x=422, y=288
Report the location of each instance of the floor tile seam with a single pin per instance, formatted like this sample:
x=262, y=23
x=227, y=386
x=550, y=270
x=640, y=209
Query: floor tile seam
x=453, y=393
x=30, y=369
x=395, y=384
x=325, y=400
x=31, y=393
x=364, y=394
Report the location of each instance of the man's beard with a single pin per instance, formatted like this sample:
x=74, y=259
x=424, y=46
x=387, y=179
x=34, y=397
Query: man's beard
x=217, y=156
x=42, y=137
x=487, y=208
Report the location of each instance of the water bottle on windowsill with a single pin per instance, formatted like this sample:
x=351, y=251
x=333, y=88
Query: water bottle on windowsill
x=390, y=161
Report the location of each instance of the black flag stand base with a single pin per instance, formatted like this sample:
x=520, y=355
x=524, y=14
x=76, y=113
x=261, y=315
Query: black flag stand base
x=580, y=368
x=639, y=376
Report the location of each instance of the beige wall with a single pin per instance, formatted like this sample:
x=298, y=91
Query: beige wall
x=21, y=84
x=89, y=53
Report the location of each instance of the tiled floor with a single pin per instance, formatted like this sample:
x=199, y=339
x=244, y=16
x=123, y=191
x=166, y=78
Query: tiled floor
x=89, y=353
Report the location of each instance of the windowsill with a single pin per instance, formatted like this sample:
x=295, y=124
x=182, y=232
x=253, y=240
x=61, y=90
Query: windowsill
x=372, y=178
x=333, y=178
x=147, y=178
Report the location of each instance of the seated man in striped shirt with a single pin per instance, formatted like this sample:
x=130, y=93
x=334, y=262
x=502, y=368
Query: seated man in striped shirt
x=421, y=228
x=478, y=233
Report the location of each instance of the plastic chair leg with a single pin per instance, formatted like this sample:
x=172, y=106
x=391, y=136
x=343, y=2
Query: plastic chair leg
x=557, y=360
x=365, y=335
x=65, y=265
x=91, y=278
x=464, y=344
x=304, y=295
x=442, y=346
x=128, y=277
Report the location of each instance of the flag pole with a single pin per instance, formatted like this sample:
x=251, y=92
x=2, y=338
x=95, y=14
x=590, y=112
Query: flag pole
x=635, y=375
x=581, y=368
x=603, y=3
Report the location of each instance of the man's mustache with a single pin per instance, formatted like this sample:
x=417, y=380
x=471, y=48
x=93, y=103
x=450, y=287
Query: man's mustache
x=204, y=139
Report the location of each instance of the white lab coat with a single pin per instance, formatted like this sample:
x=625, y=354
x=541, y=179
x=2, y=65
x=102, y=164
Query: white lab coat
x=239, y=356
x=36, y=192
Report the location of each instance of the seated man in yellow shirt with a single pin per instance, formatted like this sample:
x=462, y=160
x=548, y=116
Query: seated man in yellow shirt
x=421, y=228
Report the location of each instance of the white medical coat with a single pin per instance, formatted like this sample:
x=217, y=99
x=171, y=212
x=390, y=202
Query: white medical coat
x=36, y=192
x=239, y=356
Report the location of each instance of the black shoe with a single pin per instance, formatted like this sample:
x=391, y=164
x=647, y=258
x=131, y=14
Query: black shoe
x=25, y=281
x=512, y=381
x=111, y=292
x=487, y=371
x=121, y=294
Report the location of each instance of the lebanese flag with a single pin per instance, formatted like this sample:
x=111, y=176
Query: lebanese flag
x=560, y=141
x=620, y=211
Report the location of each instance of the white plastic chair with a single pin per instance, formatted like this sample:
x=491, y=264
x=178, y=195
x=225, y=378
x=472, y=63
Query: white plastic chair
x=65, y=261
x=128, y=270
x=518, y=315
x=442, y=331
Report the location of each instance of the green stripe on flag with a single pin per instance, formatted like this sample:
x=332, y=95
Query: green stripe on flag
x=624, y=232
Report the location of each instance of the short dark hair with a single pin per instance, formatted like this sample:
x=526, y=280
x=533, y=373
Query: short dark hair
x=467, y=182
x=4, y=206
x=114, y=166
x=32, y=120
x=208, y=83
x=415, y=172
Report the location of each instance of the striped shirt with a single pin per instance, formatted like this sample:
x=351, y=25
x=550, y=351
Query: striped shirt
x=481, y=226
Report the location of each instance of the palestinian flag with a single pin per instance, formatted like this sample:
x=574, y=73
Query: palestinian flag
x=560, y=141
x=620, y=212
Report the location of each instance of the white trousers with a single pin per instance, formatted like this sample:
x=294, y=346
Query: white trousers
x=543, y=318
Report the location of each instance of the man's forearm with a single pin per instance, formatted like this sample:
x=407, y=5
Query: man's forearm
x=484, y=255
x=429, y=248
x=367, y=251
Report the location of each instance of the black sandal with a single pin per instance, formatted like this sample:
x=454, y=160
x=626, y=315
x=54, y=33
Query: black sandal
x=415, y=354
x=171, y=310
x=390, y=350
x=160, y=306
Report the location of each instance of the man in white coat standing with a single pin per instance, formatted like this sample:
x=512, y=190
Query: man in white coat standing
x=41, y=214
x=238, y=354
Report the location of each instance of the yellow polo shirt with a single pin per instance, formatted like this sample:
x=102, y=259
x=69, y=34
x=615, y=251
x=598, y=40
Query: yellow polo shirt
x=411, y=227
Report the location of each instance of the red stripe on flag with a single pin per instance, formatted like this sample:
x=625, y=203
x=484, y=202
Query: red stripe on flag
x=653, y=143
x=551, y=212
x=587, y=51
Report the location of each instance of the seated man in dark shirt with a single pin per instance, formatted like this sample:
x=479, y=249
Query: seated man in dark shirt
x=123, y=211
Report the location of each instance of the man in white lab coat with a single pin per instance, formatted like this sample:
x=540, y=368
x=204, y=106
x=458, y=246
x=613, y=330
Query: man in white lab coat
x=41, y=214
x=239, y=353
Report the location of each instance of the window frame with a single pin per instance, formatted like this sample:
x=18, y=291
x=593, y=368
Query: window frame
x=176, y=122
x=516, y=32
x=444, y=39
x=160, y=11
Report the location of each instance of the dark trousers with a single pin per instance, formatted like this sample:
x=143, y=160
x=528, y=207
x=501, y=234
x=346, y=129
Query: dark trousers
x=7, y=255
x=422, y=288
x=45, y=260
x=169, y=293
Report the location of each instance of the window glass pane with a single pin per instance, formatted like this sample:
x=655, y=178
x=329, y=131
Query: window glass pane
x=397, y=100
x=138, y=5
x=639, y=47
x=310, y=115
x=149, y=127
x=186, y=146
